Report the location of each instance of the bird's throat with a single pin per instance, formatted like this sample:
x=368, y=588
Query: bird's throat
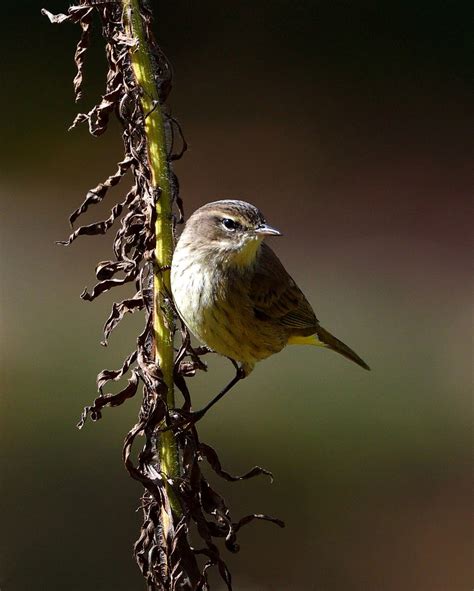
x=246, y=255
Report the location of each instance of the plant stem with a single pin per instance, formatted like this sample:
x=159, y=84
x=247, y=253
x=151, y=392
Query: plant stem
x=163, y=320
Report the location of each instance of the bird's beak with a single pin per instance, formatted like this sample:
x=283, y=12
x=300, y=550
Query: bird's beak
x=266, y=230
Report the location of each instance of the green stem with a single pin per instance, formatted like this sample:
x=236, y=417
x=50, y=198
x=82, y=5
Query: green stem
x=158, y=161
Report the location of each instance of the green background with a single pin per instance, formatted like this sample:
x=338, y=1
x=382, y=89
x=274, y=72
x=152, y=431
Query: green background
x=348, y=124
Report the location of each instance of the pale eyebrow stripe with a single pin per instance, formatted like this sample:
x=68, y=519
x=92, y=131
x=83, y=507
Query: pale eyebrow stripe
x=222, y=214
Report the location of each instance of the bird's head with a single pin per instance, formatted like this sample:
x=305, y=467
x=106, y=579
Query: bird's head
x=230, y=229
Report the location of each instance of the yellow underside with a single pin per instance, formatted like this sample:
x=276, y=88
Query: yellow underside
x=311, y=340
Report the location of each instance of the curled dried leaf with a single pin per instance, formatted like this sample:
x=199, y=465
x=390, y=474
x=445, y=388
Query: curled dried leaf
x=118, y=312
x=95, y=411
x=83, y=16
x=108, y=375
x=97, y=194
x=211, y=456
x=260, y=516
x=98, y=117
x=106, y=284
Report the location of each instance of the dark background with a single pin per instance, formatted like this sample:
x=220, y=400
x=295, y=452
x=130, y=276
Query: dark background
x=348, y=124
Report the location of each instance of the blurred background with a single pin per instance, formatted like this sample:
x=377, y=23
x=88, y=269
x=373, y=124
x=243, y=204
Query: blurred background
x=350, y=126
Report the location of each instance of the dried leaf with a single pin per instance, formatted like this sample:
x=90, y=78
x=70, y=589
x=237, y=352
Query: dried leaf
x=106, y=284
x=98, y=117
x=108, y=375
x=95, y=411
x=75, y=14
x=259, y=516
x=83, y=16
x=211, y=456
x=118, y=312
x=98, y=193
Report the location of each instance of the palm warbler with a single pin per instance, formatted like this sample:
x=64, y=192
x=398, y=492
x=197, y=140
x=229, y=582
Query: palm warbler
x=233, y=293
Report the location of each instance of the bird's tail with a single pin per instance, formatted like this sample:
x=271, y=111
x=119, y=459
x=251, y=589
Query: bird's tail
x=330, y=341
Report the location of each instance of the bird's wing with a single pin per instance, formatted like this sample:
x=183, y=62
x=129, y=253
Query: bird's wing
x=275, y=296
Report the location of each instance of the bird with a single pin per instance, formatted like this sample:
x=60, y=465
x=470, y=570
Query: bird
x=234, y=294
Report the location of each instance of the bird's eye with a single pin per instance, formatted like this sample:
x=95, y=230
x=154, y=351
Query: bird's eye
x=229, y=224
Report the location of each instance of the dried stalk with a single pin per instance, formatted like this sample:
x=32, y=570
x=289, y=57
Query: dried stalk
x=163, y=320
x=177, y=496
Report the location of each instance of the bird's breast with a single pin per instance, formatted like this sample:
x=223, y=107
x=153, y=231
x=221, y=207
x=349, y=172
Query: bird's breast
x=195, y=287
x=214, y=303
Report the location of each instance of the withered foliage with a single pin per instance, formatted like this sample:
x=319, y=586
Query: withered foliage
x=165, y=555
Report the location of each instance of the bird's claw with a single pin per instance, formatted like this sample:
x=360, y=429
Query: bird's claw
x=181, y=420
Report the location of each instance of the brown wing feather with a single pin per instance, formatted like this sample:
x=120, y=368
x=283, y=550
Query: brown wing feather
x=277, y=297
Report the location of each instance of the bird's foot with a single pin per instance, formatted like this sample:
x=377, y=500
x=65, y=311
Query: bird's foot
x=181, y=420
